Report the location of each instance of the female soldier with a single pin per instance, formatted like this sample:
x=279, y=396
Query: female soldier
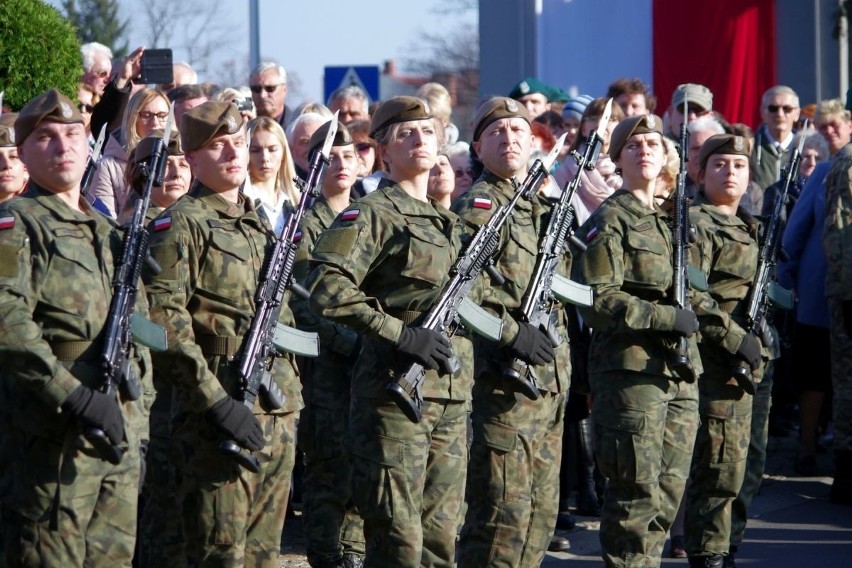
x=333, y=530
x=645, y=415
x=727, y=252
x=378, y=269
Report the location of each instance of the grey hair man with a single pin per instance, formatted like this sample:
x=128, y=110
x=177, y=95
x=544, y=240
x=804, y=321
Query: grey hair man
x=779, y=110
x=299, y=138
x=352, y=102
x=97, y=65
x=268, y=84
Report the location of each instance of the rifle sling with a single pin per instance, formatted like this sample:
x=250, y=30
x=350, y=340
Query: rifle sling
x=408, y=317
x=76, y=350
x=212, y=345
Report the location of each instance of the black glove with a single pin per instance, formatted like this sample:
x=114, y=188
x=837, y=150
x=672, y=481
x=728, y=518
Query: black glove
x=847, y=317
x=95, y=409
x=238, y=422
x=532, y=345
x=429, y=348
x=685, y=323
x=749, y=351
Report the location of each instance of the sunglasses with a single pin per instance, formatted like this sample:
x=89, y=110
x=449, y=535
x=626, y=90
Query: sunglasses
x=363, y=147
x=268, y=88
x=775, y=108
x=83, y=107
x=100, y=74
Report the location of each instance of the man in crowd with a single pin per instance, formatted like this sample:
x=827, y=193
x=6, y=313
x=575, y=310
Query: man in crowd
x=779, y=110
x=268, y=84
x=533, y=94
x=699, y=102
x=97, y=65
x=352, y=103
x=632, y=95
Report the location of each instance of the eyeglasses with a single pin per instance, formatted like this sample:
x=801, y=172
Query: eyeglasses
x=100, y=74
x=268, y=88
x=786, y=108
x=83, y=107
x=148, y=116
x=363, y=147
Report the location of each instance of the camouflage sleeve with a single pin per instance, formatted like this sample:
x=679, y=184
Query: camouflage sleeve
x=336, y=337
x=341, y=259
x=716, y=325
x=24, y=353
x=602, y=268
x=176, y=249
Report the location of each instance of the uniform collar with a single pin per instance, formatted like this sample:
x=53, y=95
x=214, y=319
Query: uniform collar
x=60, y=210
x=719, y=217
x=632, y=204
x=221, y=205
x=409, y=206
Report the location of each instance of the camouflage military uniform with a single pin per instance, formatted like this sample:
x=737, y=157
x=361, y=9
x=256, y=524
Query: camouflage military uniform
x=726, y=251
x=64, y=505
x=837, y=241
x=381, y=266
x=645, y=417
x=331, y=525
x=513, y=486
x=211, y=252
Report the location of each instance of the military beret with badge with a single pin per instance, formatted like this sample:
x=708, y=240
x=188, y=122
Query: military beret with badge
x=398, y=109
x=631, y=126
x=201, y=124
x=50, y=105
x=494, y=109
x=341, y=138
x=724, y=144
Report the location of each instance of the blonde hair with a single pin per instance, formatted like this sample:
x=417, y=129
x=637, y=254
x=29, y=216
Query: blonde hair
x=130, y=137
x=284, y=181
x=439, y=100
x=829, y=108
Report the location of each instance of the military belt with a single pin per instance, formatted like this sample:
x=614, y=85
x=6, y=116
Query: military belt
x=219, y=345
x=75, y=350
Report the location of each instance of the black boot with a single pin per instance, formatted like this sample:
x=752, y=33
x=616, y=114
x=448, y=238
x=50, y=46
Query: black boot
x=588, y=504
x=713, y=561
x=841, y=489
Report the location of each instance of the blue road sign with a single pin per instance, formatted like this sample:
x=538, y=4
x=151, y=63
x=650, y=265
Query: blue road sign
x=366, y=77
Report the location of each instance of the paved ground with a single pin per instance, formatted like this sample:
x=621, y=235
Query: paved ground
x=791, y=524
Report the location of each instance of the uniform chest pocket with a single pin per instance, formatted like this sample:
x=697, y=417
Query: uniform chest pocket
x=523, y=234
x=73, y=249
x=429, y=254
x=228, y=239
x=738, y=255
x=647, y=260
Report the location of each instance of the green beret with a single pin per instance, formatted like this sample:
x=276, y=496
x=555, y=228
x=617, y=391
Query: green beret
x=398, y=109
x=7, y=136
x=145, y=147
x=50, y=105
x=342, y=138
x=628, y=127
x=724, y=144
x=530, y=86
x=200, y=124
x=694, y=93
x=494, y=109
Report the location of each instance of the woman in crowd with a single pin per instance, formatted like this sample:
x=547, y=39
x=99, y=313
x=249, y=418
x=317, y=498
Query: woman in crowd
x=13, y=172
x=271, y=172
x=442, y=181
x=644, y=405
x=146, y=111
x=378, y=269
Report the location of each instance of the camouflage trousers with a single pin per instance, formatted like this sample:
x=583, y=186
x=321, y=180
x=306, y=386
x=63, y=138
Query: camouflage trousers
x=233, y=517
x=331, y=524
x=69, y=507
x=408, y=480
x=513, y=484
x=756, y=460
x=718, y=465
x=841, y=377
x=645, y=429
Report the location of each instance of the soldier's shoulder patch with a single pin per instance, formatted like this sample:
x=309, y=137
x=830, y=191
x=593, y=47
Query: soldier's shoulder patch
x=7, y=223
x=297, y=237
x=350, y=214
x=162, y=224
x=482, y=203
x=594, y=232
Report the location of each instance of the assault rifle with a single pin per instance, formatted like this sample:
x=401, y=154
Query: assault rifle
x=266, y=336
x=679, y=360
x=546, y=285
x=764, y=289
x=92, y=163
x=453, y=306
x=124, y=325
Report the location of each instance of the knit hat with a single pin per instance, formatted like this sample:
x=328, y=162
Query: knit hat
x=575, y=107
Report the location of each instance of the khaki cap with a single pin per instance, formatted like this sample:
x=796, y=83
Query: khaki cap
x=145, y=147
x=342, y=138
x=398, y=109
x=631, y=126
x=50, y=105
x=697, y=94
x=494, y=109
x=200, y=124
x=724, y=144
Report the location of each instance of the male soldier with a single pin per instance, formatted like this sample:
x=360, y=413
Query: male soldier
x=64, y=504
x=268, y=84
x=211, y=247
x=837, y=241
x=351, y=102
x=699, y=102
x=532, y=94
x=333, y=530
x=779, y=110
x=510, y=520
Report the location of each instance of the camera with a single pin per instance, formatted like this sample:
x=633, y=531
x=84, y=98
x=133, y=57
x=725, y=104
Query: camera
x=243, y=103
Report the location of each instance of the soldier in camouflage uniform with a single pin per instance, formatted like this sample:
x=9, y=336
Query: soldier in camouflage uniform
x=377, y=270
x=333, y=530
x=161, y=538
x=726, y=251
x=64, y=504
x=513, y=485
x=645, y=414
x=211, y=246
x=837, y=241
